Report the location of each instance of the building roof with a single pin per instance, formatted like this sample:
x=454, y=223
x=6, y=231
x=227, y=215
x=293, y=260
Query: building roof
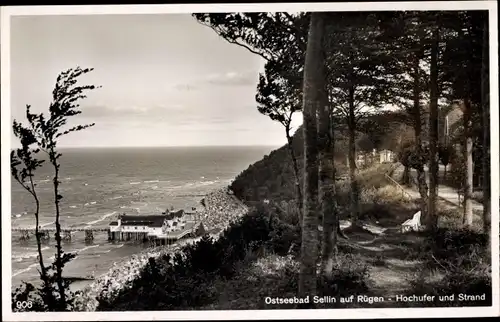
x=113, y=223
x=141, y=220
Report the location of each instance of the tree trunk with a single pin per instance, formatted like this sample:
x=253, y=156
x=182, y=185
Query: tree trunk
x=313, y=79
x=59, y=251
x=327, y=200
x=353, y=170
x=298, y=191
x=46, y=287
x=432, y=219
x=406, y=176
x=485, y=98
x=445, y=171
x=417, y=126
x=469, y=167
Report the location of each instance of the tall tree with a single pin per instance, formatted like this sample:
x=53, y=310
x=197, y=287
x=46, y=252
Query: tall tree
x=24, y=163
x=313, y=86
x=47, y=132
x=418, y=160
x=462, y=74
x=432, y=220
x=485, y=102
x=327, y=171
x=356, y=84
x=408, y=35
x=280, y=99
x=279, y=38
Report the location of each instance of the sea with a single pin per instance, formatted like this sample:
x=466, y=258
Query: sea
x=98, y=184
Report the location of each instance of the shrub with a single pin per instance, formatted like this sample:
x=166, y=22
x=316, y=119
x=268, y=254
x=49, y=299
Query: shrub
x=45, y=297
x=454, y=282
x=461, y=258
x=348, y=277
x=184, y=279
x=461, y=248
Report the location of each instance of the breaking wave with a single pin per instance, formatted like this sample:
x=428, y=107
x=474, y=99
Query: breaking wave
x=101, y=219
x=21, y=257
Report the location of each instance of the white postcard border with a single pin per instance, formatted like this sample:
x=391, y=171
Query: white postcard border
x=7, y=12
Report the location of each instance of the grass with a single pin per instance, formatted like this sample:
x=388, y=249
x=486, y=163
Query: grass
x=452, y=218
x=455, y=261
x=274, y=276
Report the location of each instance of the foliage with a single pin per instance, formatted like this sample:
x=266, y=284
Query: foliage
x=277, y=97
x=357, y=64
x=349, y=277
x=275, y=36
x=462, y=260
x=457, y=171
x=273, y=177
x=446, y=154
x=47, y=296
x=44, y=132
x=183, y=280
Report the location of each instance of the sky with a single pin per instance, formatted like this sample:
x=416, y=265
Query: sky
x=166, y=80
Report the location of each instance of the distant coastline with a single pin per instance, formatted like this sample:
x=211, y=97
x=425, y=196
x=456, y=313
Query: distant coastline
x=271, y=146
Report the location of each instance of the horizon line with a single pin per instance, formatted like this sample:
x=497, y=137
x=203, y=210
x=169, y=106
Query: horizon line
x=170, y=146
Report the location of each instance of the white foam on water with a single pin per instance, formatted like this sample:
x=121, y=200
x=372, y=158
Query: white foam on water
x=83, y=249
x=101, y=219
x=73, y=207
x=49, y=223
x=151, y=181
x=205, y=183
x=136, y=182
x=20, y=258
x=78, y=251
x=24, y=270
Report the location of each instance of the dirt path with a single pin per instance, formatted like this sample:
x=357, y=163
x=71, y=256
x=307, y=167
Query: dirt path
x=446, y=193
x=388, y=253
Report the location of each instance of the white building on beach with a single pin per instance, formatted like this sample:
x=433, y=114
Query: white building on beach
x=173, y=225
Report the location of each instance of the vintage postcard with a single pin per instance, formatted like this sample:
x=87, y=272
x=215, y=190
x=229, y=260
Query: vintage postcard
x=250, y=161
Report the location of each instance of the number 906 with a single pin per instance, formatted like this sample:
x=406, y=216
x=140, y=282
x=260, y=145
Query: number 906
x=24, y=304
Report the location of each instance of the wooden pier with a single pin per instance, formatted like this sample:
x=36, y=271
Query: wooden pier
x=67, y=232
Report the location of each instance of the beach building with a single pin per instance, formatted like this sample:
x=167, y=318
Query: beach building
x=173, y=225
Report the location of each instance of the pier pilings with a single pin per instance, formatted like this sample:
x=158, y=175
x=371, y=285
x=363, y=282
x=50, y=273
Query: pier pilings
x=67, y=235
x=89, y=235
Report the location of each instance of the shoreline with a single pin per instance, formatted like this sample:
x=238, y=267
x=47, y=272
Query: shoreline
x=221, y=209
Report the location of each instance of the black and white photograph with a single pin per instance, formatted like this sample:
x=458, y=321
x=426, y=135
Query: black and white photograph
x=250, y=161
